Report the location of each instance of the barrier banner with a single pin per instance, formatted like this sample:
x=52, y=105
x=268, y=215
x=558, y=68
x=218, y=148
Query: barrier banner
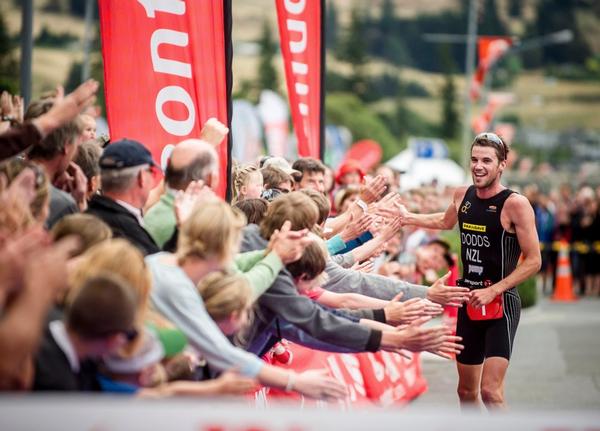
x=382, y=378
x=301, y=37
x=167, y=69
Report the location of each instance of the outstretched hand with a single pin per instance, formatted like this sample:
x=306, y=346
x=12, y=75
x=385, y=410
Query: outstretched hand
x=448, y=295
x=373, y=189
x=318, y=384
x=66, y=108
x=289, y=244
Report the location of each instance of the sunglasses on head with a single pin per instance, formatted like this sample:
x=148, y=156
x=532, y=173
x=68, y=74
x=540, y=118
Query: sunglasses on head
x=493, y=138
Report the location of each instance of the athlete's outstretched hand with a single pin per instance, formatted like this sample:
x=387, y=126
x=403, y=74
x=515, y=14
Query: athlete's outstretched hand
x=448, y=295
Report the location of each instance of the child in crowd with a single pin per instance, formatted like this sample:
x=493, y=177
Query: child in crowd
x=309, y=274
x=247, y=183
x=227, y=297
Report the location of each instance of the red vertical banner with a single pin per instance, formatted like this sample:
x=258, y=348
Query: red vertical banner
x=301, y=38
x=167, y=69
x=490, y=49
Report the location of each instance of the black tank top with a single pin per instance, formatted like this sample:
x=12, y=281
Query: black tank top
x=488, y=252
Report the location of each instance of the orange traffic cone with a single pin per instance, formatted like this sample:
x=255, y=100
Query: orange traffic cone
x=563, y=289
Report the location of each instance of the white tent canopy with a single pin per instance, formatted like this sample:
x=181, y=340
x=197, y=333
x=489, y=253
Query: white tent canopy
x=418, y=171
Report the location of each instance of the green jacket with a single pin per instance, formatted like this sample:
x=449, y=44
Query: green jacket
x=160, y=220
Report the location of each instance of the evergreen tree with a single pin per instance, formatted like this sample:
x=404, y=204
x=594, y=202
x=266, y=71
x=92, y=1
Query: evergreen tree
x=54, y=6
x=331, y=26
x=557, y=15
x=267, y=75
x=489, y=21
x=401, y=113
x=387, y=20
x=9, y=66
x=355, y=52
x=450, y=119
x=515, y=8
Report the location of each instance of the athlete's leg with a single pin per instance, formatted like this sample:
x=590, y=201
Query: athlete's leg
x=469, y=379
x=469, y=361
x=499, y=340
x=492, y=382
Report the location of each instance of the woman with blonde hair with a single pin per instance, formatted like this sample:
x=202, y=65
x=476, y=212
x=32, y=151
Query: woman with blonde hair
x=208, y=242
x=227, y=297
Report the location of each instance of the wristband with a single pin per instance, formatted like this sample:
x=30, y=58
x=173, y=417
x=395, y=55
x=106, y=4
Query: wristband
x=363, y=205
x=289, y=387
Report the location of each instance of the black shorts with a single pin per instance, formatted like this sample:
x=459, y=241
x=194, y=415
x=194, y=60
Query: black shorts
x=487, y=338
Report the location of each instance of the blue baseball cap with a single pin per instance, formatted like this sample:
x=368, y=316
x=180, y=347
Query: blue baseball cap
x=125, y=153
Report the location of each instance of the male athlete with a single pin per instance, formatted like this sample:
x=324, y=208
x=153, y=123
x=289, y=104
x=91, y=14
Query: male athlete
x=496, y=226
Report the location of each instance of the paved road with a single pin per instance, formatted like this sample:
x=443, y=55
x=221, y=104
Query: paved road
x=555, y=365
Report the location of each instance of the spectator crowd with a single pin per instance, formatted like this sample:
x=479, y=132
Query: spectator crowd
x=118, y=277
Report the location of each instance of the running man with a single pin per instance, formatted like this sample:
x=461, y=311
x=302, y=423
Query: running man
x=496, y=226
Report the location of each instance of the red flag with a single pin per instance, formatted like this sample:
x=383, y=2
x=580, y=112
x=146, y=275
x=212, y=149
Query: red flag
x=167, y=69
x=490, y=49
x=300, y=33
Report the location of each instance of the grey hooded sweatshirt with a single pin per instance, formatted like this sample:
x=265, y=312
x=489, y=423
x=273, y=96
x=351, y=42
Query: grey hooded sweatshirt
x=282, y=302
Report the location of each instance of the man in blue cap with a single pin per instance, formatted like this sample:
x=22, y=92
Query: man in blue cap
x=127, y=174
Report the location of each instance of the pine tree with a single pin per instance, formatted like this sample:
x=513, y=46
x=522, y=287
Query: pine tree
x=267, y=75
x=515, y=8
x=401, y=113
x=331, y=26
x=450, y=119
x=355, y=52
x=387, y=20
x=9, y=66
x=489, y=21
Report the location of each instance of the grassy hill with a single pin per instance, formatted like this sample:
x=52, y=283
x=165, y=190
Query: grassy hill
x=545, y=103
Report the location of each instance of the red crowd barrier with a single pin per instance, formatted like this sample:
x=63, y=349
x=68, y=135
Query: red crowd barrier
x=382, y=378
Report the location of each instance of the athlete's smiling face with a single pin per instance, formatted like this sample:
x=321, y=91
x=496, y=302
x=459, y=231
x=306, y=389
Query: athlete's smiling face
x=486, y=169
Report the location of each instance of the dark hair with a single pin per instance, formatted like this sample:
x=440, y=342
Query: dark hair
x=54, y=144
x=37, y=108
x=447, y=255
x=254, y=209
x=307, y=164
x=198, y=169
x=441, y=243
x=105, y=305
x=270, y=194
x=88, y=158
x=296, y=207
x=273, y=176
x=494, y=141
x=322, y=203
x=311, y=263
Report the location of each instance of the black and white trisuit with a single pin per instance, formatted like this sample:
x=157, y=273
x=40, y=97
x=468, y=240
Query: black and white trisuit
x=489, y=253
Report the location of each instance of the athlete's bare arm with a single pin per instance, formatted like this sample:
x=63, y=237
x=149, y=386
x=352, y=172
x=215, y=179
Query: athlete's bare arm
x=442, y=220
x=519, y=215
